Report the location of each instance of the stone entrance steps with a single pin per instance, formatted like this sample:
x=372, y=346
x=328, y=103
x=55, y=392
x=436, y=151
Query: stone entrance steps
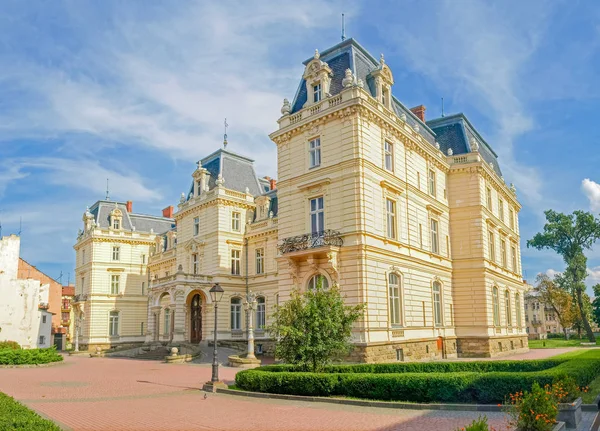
x=153, y=355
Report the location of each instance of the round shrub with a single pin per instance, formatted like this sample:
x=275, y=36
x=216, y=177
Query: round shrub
x=13, y=345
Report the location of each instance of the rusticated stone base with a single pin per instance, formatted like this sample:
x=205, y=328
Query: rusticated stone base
x=491, y=347
x=409, y=350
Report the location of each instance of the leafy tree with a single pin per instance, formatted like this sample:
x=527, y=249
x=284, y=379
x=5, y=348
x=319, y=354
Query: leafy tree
x=588, y=310
x=559, y=299
x=596, y=304
x=569, y=235
x=314, y=327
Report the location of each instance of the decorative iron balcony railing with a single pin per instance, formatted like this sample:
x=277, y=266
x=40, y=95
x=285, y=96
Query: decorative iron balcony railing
x=311, y=240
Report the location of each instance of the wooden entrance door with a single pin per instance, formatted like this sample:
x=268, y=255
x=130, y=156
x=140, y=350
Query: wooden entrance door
x=196, y=319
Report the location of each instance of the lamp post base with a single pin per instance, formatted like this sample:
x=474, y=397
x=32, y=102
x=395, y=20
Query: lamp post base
x=213, y=386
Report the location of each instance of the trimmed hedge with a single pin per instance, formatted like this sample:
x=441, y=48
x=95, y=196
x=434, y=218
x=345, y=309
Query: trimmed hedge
x=15, y=416
x=29, y=356
x=452, y=383
x=9, y=345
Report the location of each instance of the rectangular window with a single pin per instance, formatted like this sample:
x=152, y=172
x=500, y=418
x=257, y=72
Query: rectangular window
x=141, y=328
x=391, y=218
x=513, y=257
x=317, y=92
x=507, y=310
x=491, y=247
x=114, y=284
x=260, y=313
x=113, y=324
x=83, y=256
x=195, y=263
x=503, y=252
x=143, y=287
x=511, y=217
x=236, y=314
x=260, y=260
x=432, y=185
x=437, y=304
x=116, y=251
x=435, y=242
x=314, y=150
x=496, y=306
x=196, y=226
x=419, y=180
x=317, y=215
x=167, y=322
x=500, y=209
x=384, y=97
x=395, y=300
x=116, y=223
x=488, y=197
x=65, y=317
x=235, y=221
x=143, y=258
x=389, y=156
x=42, y=339
x=235, y=262
x=421, y=235
x=43, y=319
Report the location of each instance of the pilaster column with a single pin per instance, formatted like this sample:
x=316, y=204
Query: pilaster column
x=151, y=334
x=178, y=310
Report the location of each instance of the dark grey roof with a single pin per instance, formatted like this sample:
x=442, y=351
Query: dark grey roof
x=143, y=223
x=349, y=54
x=273, y=204
x=236, y=170
x=456, y=131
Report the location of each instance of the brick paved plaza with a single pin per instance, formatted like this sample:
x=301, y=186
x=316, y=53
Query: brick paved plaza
x=123, y=394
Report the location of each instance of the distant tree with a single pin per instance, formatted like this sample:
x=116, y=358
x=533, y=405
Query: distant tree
x=314, y=327
x=596, y=304
x=569, y=235
x=561, y=301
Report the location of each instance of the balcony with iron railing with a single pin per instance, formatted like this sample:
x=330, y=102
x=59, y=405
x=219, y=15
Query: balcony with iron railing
x=180, y=277
x=308, y=242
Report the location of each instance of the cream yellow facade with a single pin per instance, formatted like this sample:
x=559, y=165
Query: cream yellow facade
x=410, y=217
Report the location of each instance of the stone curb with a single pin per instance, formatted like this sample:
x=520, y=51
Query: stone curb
x=49, y=364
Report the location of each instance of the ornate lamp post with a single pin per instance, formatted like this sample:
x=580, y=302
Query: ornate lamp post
x=216, y=293
x=250, y=307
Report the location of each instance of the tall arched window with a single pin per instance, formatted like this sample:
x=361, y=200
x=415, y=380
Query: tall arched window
x=496, y=306
x=236, y=314
x=395, y=300
x=260, y=313
x=518, y=309
x=507, y=308
x=318, y=280
x=437, y=303
x=167, y=322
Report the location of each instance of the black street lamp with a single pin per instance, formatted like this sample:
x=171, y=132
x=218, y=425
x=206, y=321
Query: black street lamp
x=216, y=293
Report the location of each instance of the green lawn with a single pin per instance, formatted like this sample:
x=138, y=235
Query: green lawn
x=558, y=342
x=15, y=416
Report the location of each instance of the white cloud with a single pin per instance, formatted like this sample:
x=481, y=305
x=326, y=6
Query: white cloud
x=8, y=174
x=592, y=190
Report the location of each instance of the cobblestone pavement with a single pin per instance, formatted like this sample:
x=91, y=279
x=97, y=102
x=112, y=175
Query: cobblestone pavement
x=124, y=394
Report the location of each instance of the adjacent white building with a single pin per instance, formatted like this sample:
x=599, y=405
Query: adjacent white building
x=23, y=306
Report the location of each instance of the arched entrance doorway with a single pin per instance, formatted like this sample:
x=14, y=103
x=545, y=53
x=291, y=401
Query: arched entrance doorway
x=196, y=319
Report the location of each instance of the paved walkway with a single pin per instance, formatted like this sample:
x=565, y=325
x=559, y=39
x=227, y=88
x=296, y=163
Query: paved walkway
x=114, y=394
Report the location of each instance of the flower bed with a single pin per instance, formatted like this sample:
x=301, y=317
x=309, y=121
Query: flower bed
x=10, y=356
x=464, y=382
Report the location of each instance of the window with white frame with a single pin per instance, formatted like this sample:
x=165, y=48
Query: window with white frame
x=511, y=218
x=261, y=313
x=507, y=308
x=318, y=280
x=437, y=303
x=143, y=258
x=513, y=257
x=384, y=97
x=195, y=263
x=317, y=92
x=518, y=309
x=432, y=184
x=235, y=221
x=317, y=215
x=116, y=223
x=236, y=314
x=500, y=209
x=235, y=262
x=395, y=299
x=496, y=306
x=388, y=156
x=491, y=246
x=116, y=252
x=488, y=198
x=260, y=260
x=314, y=151
x=435, y=240
x=113, y=324
x=114, y=284
x=42, y=339
x=391, y=218
x=503, y=252
x=196, y=226
x=167, y=322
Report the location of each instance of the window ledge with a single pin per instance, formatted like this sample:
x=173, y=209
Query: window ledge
x=394, y=241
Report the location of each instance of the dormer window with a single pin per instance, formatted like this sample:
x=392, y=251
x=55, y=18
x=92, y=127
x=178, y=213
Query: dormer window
x=384, y=97
x=317, y=92
x=116, y=218
x=116, y=223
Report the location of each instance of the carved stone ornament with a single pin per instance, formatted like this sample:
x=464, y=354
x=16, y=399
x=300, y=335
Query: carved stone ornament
x=474, y=145
x=286, y=108
x=360, y=83
x=220, y=180
x=182, y=198
x=270, y=214
x=348, y=79
x=513, y=188
x=491, y=165
x=247, y=191
x=317, y=55
x=417, y=128
x=312, y=263
x=293, y=269
x=450, y=152
x=437, y=145
x=332, y=259
x=403, y=116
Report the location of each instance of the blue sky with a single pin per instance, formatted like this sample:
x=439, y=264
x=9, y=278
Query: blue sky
x=137, y=91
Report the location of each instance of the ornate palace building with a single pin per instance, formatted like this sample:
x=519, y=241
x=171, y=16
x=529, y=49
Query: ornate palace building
x=410, y=217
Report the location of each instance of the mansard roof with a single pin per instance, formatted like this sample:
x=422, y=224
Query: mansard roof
x=141, y=222
x=457, y=132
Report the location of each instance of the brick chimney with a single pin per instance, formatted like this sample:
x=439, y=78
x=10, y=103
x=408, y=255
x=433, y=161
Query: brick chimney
x=419, y=111
x=129, y=206
x=272, y=184
x=168, y=212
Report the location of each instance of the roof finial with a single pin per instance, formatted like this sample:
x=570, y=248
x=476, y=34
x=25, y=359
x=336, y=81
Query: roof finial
x=381, y=60
x=343, y=29
x=225, y=134
x=107, y=195
x=442, y=107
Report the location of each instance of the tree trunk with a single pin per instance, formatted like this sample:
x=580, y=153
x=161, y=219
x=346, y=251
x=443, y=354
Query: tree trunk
x=586, y=324
x=566, y=333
